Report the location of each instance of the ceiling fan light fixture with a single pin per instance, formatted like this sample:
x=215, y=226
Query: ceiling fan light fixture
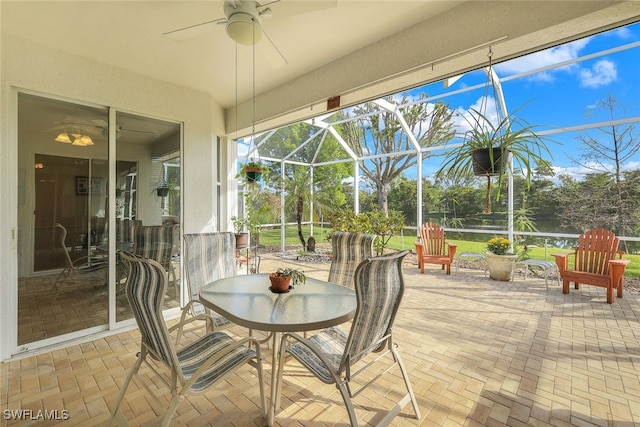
x=242, y=28
x=63, y=137
x=86, y=140
x=80, y=140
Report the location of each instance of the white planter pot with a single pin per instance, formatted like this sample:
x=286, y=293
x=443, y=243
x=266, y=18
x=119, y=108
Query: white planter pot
x=500, y=266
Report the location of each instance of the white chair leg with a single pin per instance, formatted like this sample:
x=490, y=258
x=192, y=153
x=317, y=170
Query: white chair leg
x=405, y=377
x=127, y=381
x=263, y=401
x=347, y=403
x=173, y=405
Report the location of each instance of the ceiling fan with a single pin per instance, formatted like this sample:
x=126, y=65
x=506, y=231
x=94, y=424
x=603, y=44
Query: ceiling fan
x=243, y=23
x=99, y=124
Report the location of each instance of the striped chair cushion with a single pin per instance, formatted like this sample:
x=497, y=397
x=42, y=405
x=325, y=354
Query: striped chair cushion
x=349, y=250
x=145, y=291
x=125, y=229
x=208, y=257
x=331, y=343
x=146, y=287
x=379, y=287
x=192, y=356
x=155, y=242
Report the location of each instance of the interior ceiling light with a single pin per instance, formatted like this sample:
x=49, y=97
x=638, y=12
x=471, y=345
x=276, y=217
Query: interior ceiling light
x=244, y=21
x=79, y=140
x=63, y=137
x=86, y=140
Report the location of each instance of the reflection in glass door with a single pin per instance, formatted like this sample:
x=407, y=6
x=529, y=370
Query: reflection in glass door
x=147, y=213
x=63, y=212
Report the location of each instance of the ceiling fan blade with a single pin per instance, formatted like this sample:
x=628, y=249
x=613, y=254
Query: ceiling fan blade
x=285, y=8
x=271, y=52
x=191, y=31
x=134, y=130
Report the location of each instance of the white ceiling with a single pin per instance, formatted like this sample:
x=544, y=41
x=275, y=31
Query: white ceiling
x=352, y=48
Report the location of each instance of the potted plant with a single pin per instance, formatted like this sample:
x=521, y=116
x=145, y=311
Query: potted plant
x=486, y=149
x=242, y=236
x=286, y=278
x=500, y=261
x=253, y=170
x=162, y=189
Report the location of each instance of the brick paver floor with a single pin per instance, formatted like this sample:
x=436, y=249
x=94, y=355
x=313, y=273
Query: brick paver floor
x=479, y=352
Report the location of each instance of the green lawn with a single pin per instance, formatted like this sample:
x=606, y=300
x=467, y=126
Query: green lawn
x=271, y=238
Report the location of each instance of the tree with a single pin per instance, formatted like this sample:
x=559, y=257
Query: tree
x=298, y=193
x=605, y=155
x=297, y=186
x=380, y=132
x=402, y=198
x=304, y=143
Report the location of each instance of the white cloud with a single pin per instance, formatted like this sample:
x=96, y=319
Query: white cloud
x=579, y=172
x=463, y=119
x=543, y=58
x=602, y=73
x=623, y=32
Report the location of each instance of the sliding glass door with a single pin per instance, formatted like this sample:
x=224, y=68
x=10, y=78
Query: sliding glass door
x=67, y=219
x=147, y=208
x=63, y=213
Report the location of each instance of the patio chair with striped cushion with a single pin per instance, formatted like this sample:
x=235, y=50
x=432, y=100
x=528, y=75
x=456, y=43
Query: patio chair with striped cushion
x=125, y=229
x=337, y=357
x=207, y=257
x=190, y=370
x=349, y=250
x=156, y=242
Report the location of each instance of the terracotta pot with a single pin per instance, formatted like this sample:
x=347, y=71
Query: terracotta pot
x=500, y=266
x=242, y=240
x=482, y=163
x=279, y=283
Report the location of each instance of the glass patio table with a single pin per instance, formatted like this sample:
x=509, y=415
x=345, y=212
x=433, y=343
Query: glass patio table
x=247, y=301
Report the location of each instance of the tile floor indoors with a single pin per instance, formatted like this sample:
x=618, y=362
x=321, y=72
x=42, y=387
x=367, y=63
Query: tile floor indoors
x=479, y=352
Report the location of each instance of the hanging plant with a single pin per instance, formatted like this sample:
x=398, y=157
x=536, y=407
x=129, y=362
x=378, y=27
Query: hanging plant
x=162, y=190
x=253, y=171
x=486, y=149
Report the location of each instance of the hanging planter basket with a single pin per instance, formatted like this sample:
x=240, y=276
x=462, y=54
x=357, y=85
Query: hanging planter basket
x=253, y=174
x=162, y=191
x=482, y=165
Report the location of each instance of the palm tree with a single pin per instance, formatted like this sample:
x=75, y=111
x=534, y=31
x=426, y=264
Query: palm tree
x=297, y=187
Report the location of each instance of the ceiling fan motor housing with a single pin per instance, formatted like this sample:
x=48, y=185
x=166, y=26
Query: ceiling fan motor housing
x=243, y=22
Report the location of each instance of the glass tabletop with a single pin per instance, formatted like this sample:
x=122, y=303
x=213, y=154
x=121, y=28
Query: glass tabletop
x=247, y=301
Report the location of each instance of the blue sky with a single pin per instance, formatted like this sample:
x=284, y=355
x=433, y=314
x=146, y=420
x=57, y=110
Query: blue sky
x=563, y=96
x=555, y=98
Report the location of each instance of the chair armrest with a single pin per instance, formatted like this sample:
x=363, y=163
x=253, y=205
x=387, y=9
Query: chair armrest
x=616, y=271
x=452, y=250
x=419, y=249
x=562, y=261
x=621, y=262
x=206, y=317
